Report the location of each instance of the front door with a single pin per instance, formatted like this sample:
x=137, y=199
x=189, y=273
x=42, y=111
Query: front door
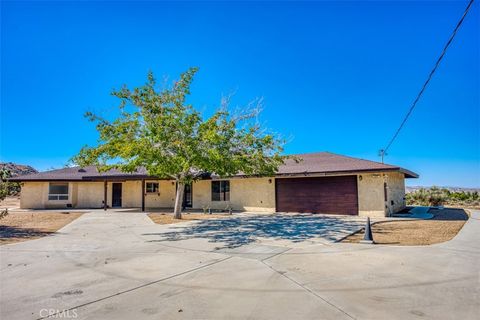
x=187, y=196
x=116, y=194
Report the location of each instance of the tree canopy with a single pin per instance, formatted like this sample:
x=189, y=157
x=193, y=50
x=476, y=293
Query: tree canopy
x=157, y=129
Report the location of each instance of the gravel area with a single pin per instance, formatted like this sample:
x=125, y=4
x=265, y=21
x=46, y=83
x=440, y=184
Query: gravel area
x=444, y=225
x=10, y=202
x=22, y=226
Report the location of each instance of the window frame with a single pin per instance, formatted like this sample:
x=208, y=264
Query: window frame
x=58, y=196
x=154, y=190
x=223, y=187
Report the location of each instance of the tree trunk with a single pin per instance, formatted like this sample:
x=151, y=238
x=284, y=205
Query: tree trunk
x=177, y=212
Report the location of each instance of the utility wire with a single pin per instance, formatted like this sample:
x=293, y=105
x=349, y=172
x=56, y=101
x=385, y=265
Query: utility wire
x=383, y=152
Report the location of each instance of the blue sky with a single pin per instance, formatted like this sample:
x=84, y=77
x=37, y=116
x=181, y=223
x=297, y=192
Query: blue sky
x=336, y=76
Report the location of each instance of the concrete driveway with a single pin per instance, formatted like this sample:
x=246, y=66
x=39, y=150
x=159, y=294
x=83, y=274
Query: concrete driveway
x=122, y=266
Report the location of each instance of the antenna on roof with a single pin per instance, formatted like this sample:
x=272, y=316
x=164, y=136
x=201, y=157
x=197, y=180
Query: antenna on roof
x=382, y=153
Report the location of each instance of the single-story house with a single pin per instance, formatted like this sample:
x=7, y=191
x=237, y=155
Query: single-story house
x=320, y=183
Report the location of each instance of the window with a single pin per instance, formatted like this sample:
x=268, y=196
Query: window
x=152, y=187
x=58, y=191
x=220, y=190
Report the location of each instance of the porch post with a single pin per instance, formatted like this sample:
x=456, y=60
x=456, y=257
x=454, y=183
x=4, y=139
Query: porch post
x=105, y=195
x=143, y=195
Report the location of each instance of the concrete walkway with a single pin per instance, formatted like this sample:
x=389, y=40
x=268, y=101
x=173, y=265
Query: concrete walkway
x=122, y=266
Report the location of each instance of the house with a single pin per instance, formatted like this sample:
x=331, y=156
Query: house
x=321, y=183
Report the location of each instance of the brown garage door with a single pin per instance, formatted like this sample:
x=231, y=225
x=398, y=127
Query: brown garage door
x=334, y=195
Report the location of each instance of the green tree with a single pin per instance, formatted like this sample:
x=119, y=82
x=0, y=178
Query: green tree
x=4, y=184
x=157, y=129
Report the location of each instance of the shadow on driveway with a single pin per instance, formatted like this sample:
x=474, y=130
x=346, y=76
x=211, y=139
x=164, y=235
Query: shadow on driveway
x=10, y=234
x=238, y=231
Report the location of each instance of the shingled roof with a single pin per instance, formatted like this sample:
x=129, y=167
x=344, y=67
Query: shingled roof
x=327, y=162
x=311, y=163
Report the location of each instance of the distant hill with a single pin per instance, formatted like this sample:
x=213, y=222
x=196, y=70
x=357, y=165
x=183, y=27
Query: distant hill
x=409, y=189
x=17, y=169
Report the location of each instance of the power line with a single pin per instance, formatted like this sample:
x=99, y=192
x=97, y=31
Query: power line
x=383, y=152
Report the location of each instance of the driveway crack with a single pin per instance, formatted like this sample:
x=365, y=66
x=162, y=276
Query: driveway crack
x=283, y=274
x=137, y=287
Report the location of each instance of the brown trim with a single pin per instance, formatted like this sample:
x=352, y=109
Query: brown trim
x=105, y=195
x=143, y=195
x=407, y=173
x=276, y=195
x=17, y=179
x=119, y=177
x=358, y=196
x=89, y=179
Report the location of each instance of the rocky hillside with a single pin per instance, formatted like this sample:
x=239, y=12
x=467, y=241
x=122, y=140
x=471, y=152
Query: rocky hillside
x=17, y=169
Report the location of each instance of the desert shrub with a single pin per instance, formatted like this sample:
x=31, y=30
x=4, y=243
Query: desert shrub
x=435, y=196
x=7, y=188
x=419, y=197
x=3, y=190
x=3, y=213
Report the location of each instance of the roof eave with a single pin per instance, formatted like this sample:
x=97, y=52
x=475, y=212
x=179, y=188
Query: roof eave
x=409, y=174
x=306, y=173
x=18, y=179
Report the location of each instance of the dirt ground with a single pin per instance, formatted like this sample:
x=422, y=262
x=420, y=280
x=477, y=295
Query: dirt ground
x=22, y=226
x=167, y=218
x=10, y=202
x=443, y=227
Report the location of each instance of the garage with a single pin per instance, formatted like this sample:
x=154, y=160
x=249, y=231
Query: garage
x=330, y=195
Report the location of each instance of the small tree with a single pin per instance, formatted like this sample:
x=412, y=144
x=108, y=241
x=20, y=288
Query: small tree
x=4, y=184
x=159, y=130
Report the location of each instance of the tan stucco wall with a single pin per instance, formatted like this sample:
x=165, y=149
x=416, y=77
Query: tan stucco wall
x=32, y=196
x=131, y=194
x=370, y=195
x=89, y=194
x=253, y=194
x=165, y=198
x=395, y=192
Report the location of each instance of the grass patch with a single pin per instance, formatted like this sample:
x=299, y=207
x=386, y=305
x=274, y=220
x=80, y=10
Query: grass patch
x=167, y=218
x=442, y=227
x=22, y=226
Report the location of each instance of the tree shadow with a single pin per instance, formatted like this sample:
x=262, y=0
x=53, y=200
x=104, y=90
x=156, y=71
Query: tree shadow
x=8, y=233
x=238, y=231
